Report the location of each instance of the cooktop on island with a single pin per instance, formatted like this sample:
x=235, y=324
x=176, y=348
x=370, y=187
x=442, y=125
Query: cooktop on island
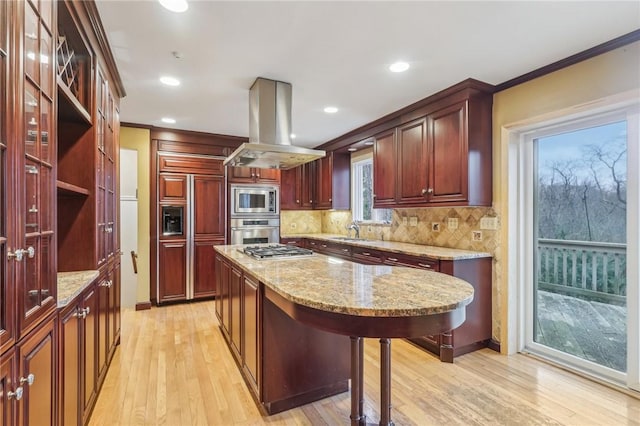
x=275, y=251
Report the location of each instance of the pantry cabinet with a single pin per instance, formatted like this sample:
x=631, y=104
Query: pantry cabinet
x=59, y=130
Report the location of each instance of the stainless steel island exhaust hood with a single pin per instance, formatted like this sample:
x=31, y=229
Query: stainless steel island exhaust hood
x=269, y=145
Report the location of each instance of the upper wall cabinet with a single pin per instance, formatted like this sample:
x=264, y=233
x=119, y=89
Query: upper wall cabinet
x=253, y=175
x=321, y=184
x=439, y=158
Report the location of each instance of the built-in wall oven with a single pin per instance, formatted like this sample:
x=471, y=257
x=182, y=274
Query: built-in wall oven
x=255, y=230
x=254, y=214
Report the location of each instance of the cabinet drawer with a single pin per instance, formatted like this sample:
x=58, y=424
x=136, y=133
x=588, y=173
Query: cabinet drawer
x=366, y=256
x=299, y=242
x=326, y=247
x=412, y=262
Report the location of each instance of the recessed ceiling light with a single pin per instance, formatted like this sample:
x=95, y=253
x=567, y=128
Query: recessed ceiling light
x=292, y=135
x=169, y=81
x=331, y=110
x=368, y=143
x=168, y=120
x=399, y=67
x=175, y=5
x=352, y=149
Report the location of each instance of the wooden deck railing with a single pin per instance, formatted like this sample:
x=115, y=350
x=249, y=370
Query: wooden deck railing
x=596, y=271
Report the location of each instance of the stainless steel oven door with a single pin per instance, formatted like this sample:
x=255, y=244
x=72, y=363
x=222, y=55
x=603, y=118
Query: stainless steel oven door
x=255, y=235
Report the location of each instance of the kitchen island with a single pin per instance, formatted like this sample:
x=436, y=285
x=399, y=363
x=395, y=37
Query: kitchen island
x=266, y=306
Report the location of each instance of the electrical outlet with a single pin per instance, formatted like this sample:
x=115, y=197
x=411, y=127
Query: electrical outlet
x=413, y=221
x=435, y=227
x=404, y=220
x=487, y=222
x=476, y=235
x=452, y=223
x=293, y=225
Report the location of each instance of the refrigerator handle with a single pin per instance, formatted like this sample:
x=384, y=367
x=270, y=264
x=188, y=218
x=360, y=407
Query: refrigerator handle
x=190, y=236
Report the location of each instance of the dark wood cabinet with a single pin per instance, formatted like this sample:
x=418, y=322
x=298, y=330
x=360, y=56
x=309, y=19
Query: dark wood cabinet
x=77, y=352
x=442, y=157
x=204, y=280
x=411, y=168
x=291, y=189
x=235, y=302
x=208, y=207
x=36, y=160
x=172, y=276
x=307, y=185
x=251, y=330
x=59, y=146
x=384, y=169
x=8, y=185
x=322, y=184
x=272, y=344
x=448, y=160
x=172, y=188
x=253, y=175
x=474, y=333
x=37, y=370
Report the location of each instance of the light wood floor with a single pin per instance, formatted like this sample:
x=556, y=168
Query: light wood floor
x=173, y=368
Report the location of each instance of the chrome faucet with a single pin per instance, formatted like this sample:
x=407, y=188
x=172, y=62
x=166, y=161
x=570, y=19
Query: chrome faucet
x=353, y=225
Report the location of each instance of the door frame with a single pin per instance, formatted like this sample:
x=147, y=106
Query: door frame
x=519, y=222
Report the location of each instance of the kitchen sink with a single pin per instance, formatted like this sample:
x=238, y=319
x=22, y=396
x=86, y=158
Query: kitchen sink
x=348, y=239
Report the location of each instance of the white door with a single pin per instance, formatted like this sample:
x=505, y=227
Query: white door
x=129, y=224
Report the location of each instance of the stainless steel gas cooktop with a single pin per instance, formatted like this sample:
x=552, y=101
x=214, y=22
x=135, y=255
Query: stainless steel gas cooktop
x=275, y=251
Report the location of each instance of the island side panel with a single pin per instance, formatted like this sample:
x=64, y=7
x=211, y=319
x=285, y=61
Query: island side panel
x=475, y=333
x=300, y=364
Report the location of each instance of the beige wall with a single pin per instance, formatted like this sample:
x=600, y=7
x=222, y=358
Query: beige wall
x=139, y=140
x=539, y=100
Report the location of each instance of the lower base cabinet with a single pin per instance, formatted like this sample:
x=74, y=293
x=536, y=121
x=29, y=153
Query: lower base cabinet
x=35, y=395
x=284, y=362
x=89, y=331
x=78, y=366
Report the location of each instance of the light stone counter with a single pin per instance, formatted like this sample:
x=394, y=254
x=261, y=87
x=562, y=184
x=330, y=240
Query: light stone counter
x=341, y=286
x=441, y=253
x=71, y=284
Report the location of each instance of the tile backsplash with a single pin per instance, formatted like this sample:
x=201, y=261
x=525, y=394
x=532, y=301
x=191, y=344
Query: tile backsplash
x=454, y=227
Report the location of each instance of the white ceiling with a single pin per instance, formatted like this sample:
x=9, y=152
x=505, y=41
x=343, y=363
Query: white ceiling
x=335, y=53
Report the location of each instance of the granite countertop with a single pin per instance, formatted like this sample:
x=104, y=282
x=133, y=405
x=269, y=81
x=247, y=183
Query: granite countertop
x=71, y=284
x=441, y=253
x=341, y=286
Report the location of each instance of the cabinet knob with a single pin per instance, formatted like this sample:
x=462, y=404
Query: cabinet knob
x=364, y=253
x=17, y=394
x=258, y=175
x=19, y=254
x=28, y=380
x=374, y=195
x=427, y=191
x=424, y=265
x=297, y=201
x=329, y=199
x=393, y=259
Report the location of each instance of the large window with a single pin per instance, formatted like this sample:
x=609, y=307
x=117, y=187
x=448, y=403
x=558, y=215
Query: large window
x=362, y=174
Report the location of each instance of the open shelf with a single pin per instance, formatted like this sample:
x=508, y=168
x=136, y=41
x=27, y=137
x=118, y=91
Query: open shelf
x=69, y=189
